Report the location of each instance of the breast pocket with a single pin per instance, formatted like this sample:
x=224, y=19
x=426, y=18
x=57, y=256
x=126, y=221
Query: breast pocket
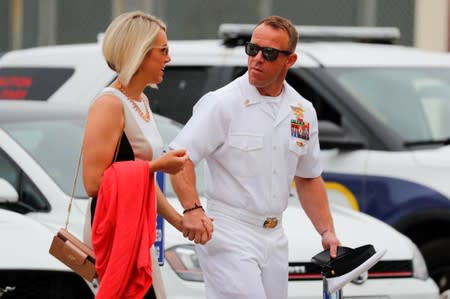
x=245, y=154
x=297, y=148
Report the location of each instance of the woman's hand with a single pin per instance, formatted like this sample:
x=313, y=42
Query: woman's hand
x=171, y=162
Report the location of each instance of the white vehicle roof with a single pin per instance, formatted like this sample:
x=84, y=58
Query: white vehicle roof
x=213, y=52
x=348, y=54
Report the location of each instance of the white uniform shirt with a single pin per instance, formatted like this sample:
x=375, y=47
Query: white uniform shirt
x=252, y=156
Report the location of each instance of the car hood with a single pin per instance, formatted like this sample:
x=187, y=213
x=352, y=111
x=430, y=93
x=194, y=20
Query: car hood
x=353, y=229
x=25, y=244
x=436, y=158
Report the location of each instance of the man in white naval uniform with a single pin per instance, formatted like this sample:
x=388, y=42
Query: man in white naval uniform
x=256, y=134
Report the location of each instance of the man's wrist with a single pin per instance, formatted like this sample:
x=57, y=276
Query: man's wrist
x=324, y=232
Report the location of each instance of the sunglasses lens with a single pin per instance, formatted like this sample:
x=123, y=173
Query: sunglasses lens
x=251, y=49
x=270, y=54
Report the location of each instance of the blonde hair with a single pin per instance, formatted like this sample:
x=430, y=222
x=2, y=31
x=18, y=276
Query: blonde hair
x=127, y=40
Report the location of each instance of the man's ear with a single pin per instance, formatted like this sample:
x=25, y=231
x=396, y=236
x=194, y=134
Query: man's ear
x=292, y=59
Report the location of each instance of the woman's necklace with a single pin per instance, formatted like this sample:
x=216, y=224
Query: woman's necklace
x=145, y=115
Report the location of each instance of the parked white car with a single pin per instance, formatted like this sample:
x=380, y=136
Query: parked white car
x=382, y=112
x=26, y=268
x=39, y=147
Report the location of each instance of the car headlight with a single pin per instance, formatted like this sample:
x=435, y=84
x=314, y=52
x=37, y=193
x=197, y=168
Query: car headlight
x=183, y=260
x=420, y=270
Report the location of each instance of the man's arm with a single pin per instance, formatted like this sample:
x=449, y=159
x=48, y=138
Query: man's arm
x=195, y=224
x=313, y=198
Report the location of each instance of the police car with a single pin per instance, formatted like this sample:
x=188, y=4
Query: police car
x=381, y=110
x=37, y=166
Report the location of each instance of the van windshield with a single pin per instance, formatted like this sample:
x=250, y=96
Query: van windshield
x=413, y=102
x=31, y=83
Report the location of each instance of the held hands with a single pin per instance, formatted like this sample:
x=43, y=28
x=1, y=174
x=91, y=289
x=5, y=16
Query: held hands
x=329, y=240
x=197, y=226
x=171, y=162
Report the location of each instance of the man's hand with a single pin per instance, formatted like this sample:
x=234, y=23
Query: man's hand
x=197, y=226
x=329, y=240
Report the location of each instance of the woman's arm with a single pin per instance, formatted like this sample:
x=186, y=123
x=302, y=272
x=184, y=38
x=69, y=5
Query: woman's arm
x=166, y=210
x=104, y=126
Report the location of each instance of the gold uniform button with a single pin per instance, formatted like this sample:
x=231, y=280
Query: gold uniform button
x=270, y=222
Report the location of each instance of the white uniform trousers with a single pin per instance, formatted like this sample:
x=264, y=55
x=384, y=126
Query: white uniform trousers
x=244, y=261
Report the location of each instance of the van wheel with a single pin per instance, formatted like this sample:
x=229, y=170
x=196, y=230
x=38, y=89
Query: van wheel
x=438, y=261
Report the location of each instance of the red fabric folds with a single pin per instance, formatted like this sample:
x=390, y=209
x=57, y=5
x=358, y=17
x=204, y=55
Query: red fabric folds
x=124, y=229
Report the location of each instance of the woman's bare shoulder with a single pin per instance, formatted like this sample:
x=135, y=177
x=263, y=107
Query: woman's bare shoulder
x=106, y=104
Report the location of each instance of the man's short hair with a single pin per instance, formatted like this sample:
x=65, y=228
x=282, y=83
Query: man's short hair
x=278, y=22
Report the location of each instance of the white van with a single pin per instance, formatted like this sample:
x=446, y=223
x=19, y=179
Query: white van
x=381, y=108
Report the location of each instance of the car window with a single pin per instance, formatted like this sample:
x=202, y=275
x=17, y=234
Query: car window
x=181, y=88
x=55, y=145
x=48, y=143
x=32, y=83
x=30, y=198
x=413, y=102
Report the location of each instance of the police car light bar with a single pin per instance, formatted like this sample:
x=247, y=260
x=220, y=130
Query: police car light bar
x=237, y=34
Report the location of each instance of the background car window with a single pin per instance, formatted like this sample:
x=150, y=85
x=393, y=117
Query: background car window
x=8, y=170
x=420, y=95
x=30, y=198
x=55, y=145
x=181, y=88
x=31, y=83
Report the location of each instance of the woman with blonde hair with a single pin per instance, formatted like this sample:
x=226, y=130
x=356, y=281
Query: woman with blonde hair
x=120, y=127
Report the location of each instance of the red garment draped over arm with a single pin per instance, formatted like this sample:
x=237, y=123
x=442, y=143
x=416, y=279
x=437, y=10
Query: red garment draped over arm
x=124, y=229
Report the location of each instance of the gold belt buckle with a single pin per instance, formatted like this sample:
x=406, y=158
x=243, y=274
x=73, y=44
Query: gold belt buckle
x=270, y=222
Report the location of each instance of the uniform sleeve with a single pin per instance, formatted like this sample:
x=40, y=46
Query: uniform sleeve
x=309, y=165
x=205, y=131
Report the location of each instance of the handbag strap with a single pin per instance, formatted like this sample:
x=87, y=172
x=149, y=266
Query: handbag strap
x=74, y=183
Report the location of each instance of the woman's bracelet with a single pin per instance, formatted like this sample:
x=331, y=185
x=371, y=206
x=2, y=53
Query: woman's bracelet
x=196, y=206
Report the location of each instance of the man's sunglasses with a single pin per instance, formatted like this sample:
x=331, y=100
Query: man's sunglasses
x=269, y=54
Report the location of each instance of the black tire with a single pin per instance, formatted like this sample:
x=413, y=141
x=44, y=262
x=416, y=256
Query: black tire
x=437, y=257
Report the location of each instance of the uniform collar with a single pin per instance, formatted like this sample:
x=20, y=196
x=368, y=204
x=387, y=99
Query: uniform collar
x=250, y=94
x=252, y=97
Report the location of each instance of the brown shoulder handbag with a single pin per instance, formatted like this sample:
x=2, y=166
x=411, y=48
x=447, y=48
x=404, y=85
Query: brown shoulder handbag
x=70, y=250
x=74, y=254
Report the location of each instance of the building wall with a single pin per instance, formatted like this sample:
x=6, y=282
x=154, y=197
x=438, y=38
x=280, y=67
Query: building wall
x=4, y=25
x=46, y=22
x=81, y=20
x=431, y=29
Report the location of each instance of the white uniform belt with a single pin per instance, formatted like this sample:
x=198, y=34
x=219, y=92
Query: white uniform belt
x=270, y=221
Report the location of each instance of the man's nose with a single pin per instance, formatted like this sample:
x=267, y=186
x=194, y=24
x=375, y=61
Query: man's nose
x=259, y=56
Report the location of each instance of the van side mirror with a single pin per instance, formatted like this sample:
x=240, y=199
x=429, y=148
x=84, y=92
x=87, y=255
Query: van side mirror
x=7, y=192
x=332, y=136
